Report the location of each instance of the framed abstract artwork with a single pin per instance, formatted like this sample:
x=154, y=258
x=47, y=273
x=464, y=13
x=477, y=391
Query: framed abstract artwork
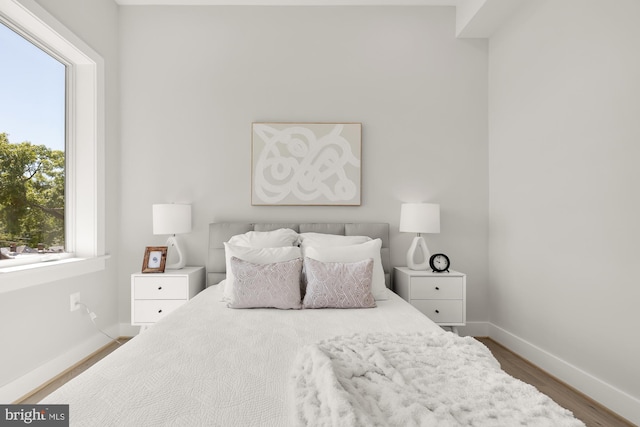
x=315, y=164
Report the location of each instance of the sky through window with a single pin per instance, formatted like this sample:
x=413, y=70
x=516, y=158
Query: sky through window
x=32, y=93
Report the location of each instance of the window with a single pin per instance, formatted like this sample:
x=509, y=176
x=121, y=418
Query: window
x=84, y=160
x=32, y=151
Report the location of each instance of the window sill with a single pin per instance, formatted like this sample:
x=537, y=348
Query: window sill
x=24, y=276
x=18, y=262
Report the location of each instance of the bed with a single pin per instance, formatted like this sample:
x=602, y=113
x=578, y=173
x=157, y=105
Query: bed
x=206, y=364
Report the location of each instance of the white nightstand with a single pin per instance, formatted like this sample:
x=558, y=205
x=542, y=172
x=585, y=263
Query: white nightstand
x=440, y=296
x=154, y=295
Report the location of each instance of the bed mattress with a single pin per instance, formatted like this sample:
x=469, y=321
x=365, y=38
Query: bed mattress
x=206, y=364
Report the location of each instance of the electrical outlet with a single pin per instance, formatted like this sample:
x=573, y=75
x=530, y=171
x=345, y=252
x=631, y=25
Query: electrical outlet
x=74, y=299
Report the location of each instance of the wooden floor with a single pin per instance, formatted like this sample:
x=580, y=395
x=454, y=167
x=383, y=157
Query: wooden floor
x=583, y=408
x=40, y=393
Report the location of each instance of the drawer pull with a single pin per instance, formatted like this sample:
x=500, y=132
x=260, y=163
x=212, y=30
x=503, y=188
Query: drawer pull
x=160, y=311
x=438, y=311
x=159, y=288
x=437, y=288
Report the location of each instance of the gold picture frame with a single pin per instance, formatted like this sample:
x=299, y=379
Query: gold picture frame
x=155, y=259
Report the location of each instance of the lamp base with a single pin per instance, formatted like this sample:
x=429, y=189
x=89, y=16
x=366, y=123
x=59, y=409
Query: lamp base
x=418, y=241
x=174, y=247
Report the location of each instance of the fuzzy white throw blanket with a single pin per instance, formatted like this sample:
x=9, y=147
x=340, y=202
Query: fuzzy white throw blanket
x=429, y=379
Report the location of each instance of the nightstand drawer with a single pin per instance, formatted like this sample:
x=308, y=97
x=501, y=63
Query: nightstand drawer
x=441, y=311
x=436, y=288
x=150, y=311
x=159, y=287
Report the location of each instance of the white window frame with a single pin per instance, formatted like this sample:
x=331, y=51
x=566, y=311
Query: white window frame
x=85, y=130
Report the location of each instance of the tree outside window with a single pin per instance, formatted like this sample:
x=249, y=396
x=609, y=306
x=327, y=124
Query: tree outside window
x=32, y=144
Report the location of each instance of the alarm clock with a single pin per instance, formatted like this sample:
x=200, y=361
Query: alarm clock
x=439, y=263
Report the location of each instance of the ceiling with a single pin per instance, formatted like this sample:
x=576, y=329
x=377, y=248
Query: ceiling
x=296, y=2
x=474, y=18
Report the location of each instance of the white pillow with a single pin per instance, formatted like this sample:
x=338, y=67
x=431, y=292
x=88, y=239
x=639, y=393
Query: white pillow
x=354, y=253
x=323, y=240
x=266, y=239
x=256, y=256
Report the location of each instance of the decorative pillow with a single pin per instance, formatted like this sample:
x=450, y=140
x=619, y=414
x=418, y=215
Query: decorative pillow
x=275, y=285
x=256, y=256
x=324, y=240
x=266, y=239
x=338, y=285
x=353, y=253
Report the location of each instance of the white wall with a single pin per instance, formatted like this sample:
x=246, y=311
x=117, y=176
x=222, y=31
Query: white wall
x=564, y=204
x=40, y=336
x=562, y=111
x=195, y=78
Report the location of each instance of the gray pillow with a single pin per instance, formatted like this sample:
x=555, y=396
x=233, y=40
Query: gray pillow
x=338, y=284
x=275, y=285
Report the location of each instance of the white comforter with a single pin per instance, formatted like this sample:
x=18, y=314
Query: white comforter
x=208, y=365
x=420, y=379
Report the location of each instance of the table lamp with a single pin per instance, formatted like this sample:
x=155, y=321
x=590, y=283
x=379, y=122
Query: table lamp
x=419, y=218
x=172, y=219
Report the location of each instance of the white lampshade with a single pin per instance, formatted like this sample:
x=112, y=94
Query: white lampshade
x=171, y=219
x=420, y=218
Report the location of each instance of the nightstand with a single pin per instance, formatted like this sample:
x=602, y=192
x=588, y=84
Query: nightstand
x=154, y=295
x=440, y=296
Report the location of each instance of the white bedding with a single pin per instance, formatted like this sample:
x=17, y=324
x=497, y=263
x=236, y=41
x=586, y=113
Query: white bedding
x=416, y=379
x=207, y=365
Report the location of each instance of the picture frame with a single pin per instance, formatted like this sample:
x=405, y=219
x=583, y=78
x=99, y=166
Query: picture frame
x=306, y=164
x=155, y=259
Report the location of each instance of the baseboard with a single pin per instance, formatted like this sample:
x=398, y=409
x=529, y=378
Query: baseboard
x=607, y=395
x=24, y=385
x=127, y=330
x=474, y=329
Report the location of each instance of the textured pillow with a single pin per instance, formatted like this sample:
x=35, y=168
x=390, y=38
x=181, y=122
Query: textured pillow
x=324, y=240
x=274, y=285
x=256, y=256
x=338, y=285
x=266, y=239
x=353, y=253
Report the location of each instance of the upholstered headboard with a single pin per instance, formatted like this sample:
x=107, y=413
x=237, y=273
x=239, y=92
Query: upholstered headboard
x=220, y=232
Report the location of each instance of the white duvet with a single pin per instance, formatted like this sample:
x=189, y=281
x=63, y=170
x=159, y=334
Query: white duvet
x=209, y=365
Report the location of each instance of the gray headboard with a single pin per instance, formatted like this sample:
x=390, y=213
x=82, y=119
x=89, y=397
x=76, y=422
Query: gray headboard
x=220, y=232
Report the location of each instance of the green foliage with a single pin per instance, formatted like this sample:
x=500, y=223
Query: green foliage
x=31, y=194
